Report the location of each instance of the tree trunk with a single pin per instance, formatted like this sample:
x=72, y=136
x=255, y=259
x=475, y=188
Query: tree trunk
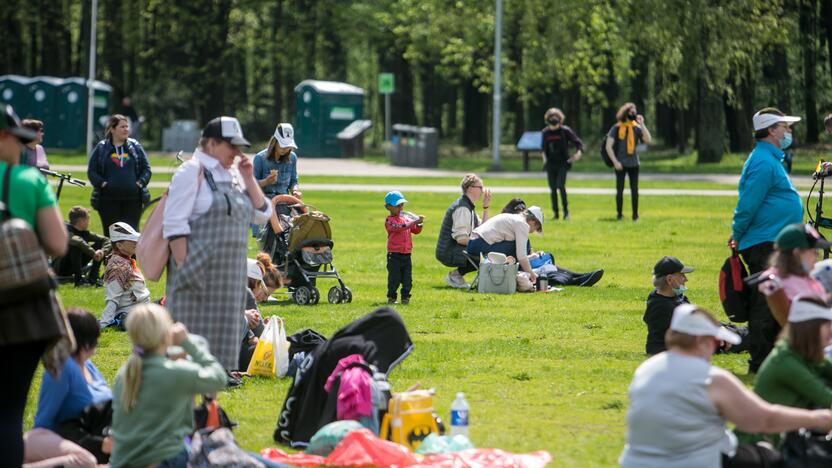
x=433, y=92
x=826, y=15
x=475, y=129
x=54, y=50
x=277, y=110
x=736, y=117
x=12, y=57
x=401, y=101
x=452, y=119
x=781, y=77
x=808, y=41
x=82, y=47
x=710, y=125
x=113, y=47
x=610, y=90
x=638, y=64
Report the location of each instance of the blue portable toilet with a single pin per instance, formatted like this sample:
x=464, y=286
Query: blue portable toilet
x=14, y=90
x=322, y=110
x=71, y=111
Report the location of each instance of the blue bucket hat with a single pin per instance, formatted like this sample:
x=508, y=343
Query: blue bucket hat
x=394, y=198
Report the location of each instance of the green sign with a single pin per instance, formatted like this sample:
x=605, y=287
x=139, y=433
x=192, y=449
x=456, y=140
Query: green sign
x=386, y=83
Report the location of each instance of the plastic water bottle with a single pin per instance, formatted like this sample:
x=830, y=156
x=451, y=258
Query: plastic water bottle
x=459, y=416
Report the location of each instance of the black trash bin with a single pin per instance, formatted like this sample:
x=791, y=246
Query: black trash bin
x=351, y=138
x=415, y=146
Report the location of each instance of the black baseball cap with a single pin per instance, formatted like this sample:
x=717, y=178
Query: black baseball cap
x=225, y=128
x=10, y=122
x=669, y=265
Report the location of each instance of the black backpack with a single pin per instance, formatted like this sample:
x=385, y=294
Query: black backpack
x=604, y=155
x=733, y=292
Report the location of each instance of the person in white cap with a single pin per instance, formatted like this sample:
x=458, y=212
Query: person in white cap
x=767, y=203
x=212, y=200
x=124, y=284
x=508, y=233
x=679, y=403
x=796, y=371
x=276, y=167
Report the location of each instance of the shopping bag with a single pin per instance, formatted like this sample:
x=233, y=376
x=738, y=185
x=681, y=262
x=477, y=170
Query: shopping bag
x=499, y=279
x=271, y=355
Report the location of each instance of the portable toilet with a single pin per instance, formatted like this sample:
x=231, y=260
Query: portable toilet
x=14, y=90
x=71, y=106
x=43, y=101
x=323, y=109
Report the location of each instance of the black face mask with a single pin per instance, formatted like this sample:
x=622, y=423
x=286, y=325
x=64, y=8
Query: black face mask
x=553, y=121
x=631, y=116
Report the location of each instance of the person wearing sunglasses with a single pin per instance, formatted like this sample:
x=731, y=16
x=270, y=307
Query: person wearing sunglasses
x=35, y=154
x=459, y=222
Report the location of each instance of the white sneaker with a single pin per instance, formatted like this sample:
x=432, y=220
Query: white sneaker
x=455, y=280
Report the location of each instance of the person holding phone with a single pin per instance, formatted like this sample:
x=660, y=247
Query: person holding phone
x=622, y=140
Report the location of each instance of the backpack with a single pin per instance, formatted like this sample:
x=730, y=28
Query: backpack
x=409, y=418
x=153, y=250
x=733, y=292
x=604, y=155
x=24, y=270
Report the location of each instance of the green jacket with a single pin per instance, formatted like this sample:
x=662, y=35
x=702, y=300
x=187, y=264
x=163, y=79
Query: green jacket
x=785, y=378
x=154, y=430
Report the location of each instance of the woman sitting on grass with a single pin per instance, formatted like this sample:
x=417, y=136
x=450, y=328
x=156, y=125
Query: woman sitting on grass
x=60, y=400
x=124, y=283
x=796, y=371
x=508, y=234
x=153, y=395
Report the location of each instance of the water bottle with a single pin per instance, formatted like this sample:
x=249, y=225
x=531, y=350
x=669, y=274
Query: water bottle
x=459, y=416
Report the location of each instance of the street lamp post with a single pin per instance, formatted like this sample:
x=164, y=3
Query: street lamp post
x=91, y=78
x=495, y=124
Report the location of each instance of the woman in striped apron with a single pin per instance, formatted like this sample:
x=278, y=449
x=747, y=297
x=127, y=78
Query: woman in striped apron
x=207, y=228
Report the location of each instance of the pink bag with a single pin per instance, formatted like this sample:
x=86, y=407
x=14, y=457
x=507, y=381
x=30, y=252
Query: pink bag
x=153, y=250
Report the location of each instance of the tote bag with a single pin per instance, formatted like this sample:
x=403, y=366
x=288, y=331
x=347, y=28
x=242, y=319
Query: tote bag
x=497, y=278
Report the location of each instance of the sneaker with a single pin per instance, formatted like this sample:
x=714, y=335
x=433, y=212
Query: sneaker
x=635, y=218
x=406, y=301
x=592, y=278
x=566, y=216
x=619, y=217
x=456, y=280
x=391, y=300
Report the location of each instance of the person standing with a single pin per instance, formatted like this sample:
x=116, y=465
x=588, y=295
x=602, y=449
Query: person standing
x=207, y=225
x=556, y=138
x=399, y=228
x=29, y=326
x=767, y=203
x=119, y=173
x=35, y=154
x=622, y=140
x=459, y=222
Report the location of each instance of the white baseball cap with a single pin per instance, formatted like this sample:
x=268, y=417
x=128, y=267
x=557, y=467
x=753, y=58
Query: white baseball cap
x=285, y=135
x=225, y=128
x=823, y=273
x=685, y=321
x=762, y=121
x=803, y=310
x=538, y=215
x=253, y=271
x=122, y=231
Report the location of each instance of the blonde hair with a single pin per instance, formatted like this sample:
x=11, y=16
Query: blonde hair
x=115, y=119
x=468, y=180
x=148, y=326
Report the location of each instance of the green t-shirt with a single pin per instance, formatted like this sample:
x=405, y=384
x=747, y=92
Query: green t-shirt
x=29, y=192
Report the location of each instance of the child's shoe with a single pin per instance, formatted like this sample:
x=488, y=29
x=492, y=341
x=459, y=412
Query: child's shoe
x=391, y=300
x=406, y=301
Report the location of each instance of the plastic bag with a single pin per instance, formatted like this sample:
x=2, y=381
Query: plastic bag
x=271, y=355
x=524, y=282
x=434, y=444
x=328, y=437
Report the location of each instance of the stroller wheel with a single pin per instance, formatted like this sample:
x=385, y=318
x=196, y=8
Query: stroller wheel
x=314, y=296
x=302, y=295
x=334, y=296
x=347, y=293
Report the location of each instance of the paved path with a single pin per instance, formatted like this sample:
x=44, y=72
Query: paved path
x=360, y=168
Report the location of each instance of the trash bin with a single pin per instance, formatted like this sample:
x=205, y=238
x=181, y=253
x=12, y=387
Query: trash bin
x=182, y=135
x=352, y=138
x=322, y=110
x=415, y=146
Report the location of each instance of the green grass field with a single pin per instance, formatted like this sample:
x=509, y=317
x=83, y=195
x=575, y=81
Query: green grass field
x=540, y=371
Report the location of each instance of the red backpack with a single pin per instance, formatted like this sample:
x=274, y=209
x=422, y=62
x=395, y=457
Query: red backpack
x=733, y=292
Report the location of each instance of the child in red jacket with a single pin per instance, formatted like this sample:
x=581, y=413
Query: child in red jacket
x=399, y=246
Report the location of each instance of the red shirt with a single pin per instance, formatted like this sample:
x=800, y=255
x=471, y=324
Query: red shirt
x=398, y=233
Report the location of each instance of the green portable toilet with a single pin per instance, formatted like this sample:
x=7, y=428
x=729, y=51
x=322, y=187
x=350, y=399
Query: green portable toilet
x=322, y=110
x=43, y=105
x=14, y=90
x=71, y=105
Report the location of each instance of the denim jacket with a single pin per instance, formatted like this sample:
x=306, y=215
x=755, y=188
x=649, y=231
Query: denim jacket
x=287, y=173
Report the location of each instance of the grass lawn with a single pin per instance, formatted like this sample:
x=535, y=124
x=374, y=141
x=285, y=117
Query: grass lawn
x=539, y=371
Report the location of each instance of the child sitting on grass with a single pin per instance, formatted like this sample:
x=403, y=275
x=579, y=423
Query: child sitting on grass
x=153, y=396
x=124, y=284
x=399, y=226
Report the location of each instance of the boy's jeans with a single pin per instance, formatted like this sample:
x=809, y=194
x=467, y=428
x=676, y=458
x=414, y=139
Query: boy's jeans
x=399, y=272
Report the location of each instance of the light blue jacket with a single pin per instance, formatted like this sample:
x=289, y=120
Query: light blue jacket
x=767, y=199
x=287, y=173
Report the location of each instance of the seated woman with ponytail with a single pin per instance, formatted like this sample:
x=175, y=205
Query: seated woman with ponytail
x=153, y=395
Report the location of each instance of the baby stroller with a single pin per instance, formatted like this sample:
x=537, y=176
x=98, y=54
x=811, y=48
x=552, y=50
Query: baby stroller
x=303, y=251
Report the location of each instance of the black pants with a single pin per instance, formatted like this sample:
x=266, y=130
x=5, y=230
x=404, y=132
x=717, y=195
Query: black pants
x=762, y=327
x=751, y=455
x=112, y=211
x=557, y=183
x=632, y=172
x=74, y=262
x=399, y=272
x=17, y=364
